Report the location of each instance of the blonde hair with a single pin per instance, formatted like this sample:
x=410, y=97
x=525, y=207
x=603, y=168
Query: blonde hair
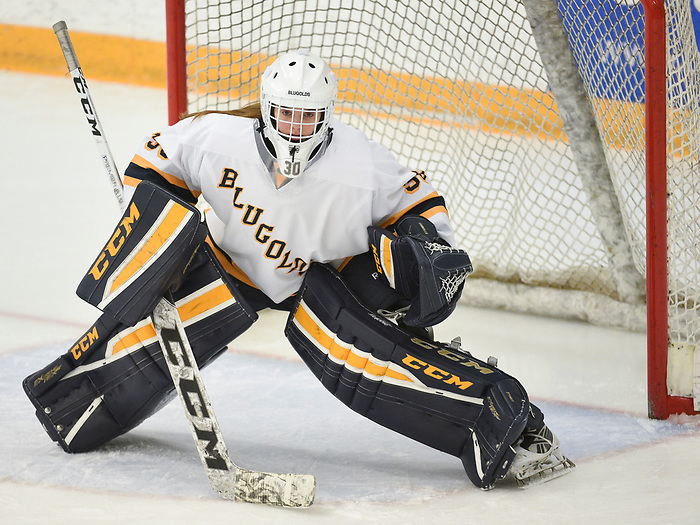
x=251, y=110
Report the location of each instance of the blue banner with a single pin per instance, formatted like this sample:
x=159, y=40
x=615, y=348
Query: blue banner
x=695, y=14
x=612, y=46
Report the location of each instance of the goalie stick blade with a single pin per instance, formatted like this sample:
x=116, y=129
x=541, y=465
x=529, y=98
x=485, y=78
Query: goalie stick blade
x=284, y=490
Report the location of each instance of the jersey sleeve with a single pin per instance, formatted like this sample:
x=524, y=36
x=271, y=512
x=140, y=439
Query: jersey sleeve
x=167, y=160
x=410, y=193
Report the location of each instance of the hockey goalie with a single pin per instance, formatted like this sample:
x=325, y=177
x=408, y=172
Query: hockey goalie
x=305, y=215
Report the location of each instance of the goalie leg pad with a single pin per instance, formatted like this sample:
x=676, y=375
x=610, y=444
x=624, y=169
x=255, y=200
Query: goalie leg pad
x=147, y=254
x=115, y=376
x=106, y=396
x=429, y=391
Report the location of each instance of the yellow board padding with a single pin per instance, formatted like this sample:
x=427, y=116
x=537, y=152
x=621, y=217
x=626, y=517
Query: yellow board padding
x=102, y=57
x=495, y=109
x=505, y=108
x=491, y=108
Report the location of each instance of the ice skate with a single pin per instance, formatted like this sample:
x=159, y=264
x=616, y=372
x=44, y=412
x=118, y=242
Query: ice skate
x=538, y=458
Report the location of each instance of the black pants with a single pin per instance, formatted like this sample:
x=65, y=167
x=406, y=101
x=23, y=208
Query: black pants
x=360, y=274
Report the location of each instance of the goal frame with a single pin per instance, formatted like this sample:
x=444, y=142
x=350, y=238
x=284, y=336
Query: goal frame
x=660, y=404
x=655, y=135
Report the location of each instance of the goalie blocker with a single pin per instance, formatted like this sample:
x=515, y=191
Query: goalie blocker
x=146, y=255
x=432, y=392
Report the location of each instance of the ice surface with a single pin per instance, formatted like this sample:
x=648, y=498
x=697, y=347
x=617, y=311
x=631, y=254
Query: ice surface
x=274, y=414
x=277, y=417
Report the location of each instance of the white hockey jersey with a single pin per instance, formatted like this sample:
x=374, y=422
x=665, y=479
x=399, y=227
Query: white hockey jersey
x=270, y=233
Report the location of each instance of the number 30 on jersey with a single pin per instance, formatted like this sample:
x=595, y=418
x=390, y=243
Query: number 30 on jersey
x=291, y=169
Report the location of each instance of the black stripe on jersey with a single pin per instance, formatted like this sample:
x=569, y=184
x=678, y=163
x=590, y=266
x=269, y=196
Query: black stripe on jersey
x=139, y=173
x=421, y=208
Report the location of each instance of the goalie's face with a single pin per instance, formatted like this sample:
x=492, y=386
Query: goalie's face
x=297, y=124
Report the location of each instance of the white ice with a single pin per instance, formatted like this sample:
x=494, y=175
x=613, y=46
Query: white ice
x=590, y=381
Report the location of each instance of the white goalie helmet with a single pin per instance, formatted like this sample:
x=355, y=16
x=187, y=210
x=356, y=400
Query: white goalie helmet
x=297, y=98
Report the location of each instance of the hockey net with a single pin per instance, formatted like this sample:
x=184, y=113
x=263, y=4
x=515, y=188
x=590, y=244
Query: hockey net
x=531, y=118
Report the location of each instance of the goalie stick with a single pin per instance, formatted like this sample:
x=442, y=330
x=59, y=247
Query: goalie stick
x=226, y=478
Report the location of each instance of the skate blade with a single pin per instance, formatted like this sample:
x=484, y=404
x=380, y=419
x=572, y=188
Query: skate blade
x=544, y=474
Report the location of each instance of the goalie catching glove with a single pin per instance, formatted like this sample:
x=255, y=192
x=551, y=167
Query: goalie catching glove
x=421, y=266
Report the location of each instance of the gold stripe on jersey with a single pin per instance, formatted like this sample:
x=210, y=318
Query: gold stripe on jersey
x=171, y=179
x=430, y=212
x=391, y=220
x=170, y=223
x=434, y=211
x=131, y=181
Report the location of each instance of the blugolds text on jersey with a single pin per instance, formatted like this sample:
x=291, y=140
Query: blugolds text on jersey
x=276, y=249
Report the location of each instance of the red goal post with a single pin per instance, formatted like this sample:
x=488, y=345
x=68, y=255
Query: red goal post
x=563, y=135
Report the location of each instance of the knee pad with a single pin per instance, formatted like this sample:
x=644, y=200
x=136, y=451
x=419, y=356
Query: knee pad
x=114, y=377
x=429, y=391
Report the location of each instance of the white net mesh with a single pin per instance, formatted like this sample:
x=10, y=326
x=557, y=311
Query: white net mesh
x=458, y=89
